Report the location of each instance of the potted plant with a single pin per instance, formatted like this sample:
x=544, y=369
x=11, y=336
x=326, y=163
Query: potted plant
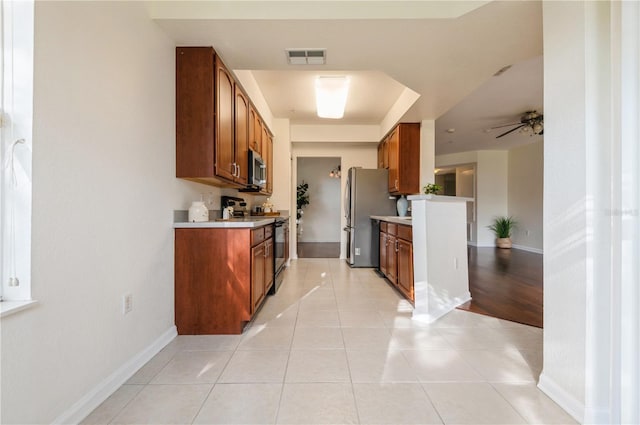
x=503, y=227
x=302, y=198
x=432, y=189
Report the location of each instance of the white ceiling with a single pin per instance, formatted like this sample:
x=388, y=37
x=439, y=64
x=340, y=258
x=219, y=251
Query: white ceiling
x=371, y=95
x=384, y=45
x=500, y=100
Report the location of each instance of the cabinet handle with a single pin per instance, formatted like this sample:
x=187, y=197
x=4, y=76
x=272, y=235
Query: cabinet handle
x=235, y=166
x=396, y=245
x=238, y=175
x=396, y=186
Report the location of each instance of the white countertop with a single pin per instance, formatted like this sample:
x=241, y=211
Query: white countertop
x=245, y=222
x=393, y=219
x=439, y=198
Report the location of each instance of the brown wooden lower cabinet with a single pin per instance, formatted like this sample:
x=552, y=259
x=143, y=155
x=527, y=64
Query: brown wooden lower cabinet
x=405, y=268
x=396, y=257
x=221, y=278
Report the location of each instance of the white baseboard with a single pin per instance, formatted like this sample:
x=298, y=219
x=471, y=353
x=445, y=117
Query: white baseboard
x=435, y=313
x=493, y=245
x=565, y=400
x=81, y=409
x=528, y=248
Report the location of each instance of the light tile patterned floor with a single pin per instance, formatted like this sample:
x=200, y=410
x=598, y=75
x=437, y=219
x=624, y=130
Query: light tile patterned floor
x=338, y=346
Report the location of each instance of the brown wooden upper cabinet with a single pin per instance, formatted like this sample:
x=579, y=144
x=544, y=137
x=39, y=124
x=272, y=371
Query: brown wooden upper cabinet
x=269, y=159
x=255, y=131
x=383, y=154
x=215, y=121
x=399, y=151
x=242, y=107
x=225, y=165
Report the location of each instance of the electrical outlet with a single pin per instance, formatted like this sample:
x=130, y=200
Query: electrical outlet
x=127, y=303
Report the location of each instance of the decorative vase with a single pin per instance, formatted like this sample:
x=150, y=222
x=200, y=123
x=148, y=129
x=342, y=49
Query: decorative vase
x=503, y=242
x=402, y=205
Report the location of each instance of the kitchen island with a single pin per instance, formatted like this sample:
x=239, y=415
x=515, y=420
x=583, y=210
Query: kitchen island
x=441, y=277
x=223, y=271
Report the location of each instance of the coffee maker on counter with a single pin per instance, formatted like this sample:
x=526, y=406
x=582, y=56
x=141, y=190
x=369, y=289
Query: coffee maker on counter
x=238, y=204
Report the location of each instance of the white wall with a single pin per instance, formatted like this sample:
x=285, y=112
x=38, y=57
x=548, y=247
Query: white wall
x=321, y=218
x=281, y=197
x=351, y=155
x=339, y=133
x=491, y=188
x=492, y=180
x=427, y=152
x=104, y=189
x=526, y=166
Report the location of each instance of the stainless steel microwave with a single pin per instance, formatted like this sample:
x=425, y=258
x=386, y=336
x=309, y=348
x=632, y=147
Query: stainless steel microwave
x=257, y=170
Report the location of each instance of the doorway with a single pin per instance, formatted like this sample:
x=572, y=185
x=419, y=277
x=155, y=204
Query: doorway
x=318, y=215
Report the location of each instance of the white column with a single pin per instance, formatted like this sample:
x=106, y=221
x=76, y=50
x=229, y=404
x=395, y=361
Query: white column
x=591, y=218
x=427, y=152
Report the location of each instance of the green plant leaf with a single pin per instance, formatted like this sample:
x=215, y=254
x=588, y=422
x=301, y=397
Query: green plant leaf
x=502, y=227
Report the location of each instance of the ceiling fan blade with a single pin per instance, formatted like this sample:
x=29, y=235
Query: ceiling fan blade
x=506, y=125
x=510, y=131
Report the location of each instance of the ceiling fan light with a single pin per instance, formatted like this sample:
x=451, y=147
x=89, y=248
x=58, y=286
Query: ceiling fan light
x=331, y=96
x=537, y=128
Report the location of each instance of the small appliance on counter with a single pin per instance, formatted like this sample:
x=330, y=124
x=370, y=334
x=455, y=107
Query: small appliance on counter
x=238, y=205
x=198, y=212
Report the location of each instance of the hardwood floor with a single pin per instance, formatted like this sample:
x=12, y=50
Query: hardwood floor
x=506, y=283
x=318, y=249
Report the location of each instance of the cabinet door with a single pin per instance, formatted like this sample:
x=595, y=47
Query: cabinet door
x=392, y=146
x=405, y=268
x=264, y=138
x=268, y=266
x=195, y=112
x=269, y=159
x=224, y=146
x=408, y=158
x=257, y=275
x=385, y=154
x=383, y=253
x=392, y=255
x=255, y=131
x=241, y=136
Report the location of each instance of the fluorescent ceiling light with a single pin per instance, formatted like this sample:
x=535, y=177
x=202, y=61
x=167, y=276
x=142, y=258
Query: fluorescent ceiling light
x=331, y=96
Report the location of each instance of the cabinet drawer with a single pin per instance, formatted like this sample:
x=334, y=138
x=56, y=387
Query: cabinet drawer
x=405, y=232
x=383, y=226
x=392, y=228
x=268, y=231
x=257, y=236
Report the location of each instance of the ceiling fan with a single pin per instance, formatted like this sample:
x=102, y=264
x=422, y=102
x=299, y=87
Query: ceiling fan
x=531, y=121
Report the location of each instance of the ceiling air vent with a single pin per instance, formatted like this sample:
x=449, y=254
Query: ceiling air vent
x=306, y=56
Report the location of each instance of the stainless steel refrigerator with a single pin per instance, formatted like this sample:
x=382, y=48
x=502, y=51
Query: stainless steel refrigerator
x=366, y=194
